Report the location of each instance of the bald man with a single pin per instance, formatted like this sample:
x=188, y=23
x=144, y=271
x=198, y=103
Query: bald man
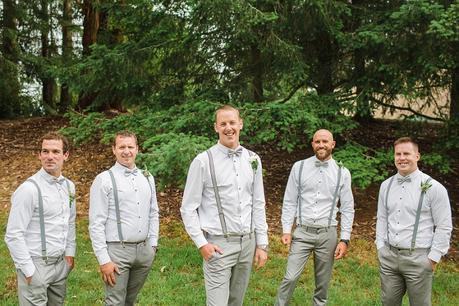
x=314, y=187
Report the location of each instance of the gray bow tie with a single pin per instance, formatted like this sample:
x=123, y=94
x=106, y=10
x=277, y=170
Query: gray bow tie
x=59, y=180
x=237, y=152
x=318, y=163
x=404, y=179
x=128, y=172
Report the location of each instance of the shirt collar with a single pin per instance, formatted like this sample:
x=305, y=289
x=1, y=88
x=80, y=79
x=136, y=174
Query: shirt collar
x=121, y=168
x=50, y=178
x=225, y=149
x=329, y=161
x=413, y=175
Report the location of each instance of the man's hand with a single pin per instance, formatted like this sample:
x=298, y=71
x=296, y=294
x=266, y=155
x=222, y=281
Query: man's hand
x=208, y=250
x=286, y=239
x=433, y=264
x=341, y=250
x=260, y=258
x=108, y=273
x=70, y=262
x=29, y=279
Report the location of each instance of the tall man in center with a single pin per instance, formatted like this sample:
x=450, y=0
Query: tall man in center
x=313, y=189
x=124, y=223
x=223, y=210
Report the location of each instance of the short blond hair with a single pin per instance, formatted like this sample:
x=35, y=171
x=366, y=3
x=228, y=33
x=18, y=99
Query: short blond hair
x=407, y=140
x=227, y=107
x=125, y=133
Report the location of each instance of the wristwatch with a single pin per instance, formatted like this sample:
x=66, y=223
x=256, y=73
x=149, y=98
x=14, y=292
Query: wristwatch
x=263, y=247
x=346, y=241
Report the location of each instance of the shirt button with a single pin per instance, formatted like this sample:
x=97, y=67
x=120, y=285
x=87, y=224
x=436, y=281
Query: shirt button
x=400, y=198
x=140, y=231
x=135, y=189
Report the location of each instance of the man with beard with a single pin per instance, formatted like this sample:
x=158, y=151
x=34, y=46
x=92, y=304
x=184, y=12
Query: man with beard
x=223, y=210
x=413, y=228
x=313, y=189
x=124, y=223
x=41, y=227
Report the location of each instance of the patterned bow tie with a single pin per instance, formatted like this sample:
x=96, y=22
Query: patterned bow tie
x=59, y=180
x=404, y=179
x=128, y=172
x=321, y=164
x=237, y=152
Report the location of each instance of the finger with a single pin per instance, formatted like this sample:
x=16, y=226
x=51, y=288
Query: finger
x=112, y=279
x=256, y=260
x=117, y=270
x=218, y=249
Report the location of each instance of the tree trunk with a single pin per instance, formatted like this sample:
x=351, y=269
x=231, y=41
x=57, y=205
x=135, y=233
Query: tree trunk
x=257, y=73
x=454, y=96
x=9, y=79
x=325, y=57
x=48, y=83
x=67, y=47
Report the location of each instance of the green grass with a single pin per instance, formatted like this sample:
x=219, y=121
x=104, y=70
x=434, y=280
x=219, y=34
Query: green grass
x=176, y=277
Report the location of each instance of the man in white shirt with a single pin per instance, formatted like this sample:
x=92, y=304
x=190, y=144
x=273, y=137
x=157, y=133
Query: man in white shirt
x=313, y=189
x=124, y=223
x=223, y=210
x=41, y=227
x=413, y=228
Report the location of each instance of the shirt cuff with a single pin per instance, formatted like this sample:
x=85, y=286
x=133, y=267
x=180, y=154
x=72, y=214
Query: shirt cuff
x=103, y=257
x=287, y=228
x=379, y=244
x=346, y=235
x=70, y=252
x=28, y=269
x=434, y=255
x=262, y=239
x=200, y=241
x=153, y=241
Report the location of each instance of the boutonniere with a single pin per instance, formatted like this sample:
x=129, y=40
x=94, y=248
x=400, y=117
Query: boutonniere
x=145, y=172
x=253, y=162
x=425, y=186
x=71, y=198
x=340, y=164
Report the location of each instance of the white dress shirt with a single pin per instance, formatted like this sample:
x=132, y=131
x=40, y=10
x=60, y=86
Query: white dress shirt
x=318, y=186
x=234, y=179
x=23, y=235
x=139, y=212
x=435, y=223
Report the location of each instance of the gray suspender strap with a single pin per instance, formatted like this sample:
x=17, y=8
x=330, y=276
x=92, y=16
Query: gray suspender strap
x=151, y=200
x=299, y=191
x=217, y=195
x=387, y=207
x=418, y=215
x=42, y=219
x=117, y=205
x=335, y=196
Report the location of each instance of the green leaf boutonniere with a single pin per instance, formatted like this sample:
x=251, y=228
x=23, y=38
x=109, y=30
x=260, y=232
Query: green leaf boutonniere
x=340, y=164
x=425, y=186
x=71, y=199
x=145, y=172
x=253, y=162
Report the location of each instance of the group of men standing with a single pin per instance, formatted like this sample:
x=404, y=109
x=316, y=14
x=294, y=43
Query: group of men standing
x=223, y=210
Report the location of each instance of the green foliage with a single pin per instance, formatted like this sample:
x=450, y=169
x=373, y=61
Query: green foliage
x=290, y=125
x=367, y=166
x=169, y=156
x=437, y=161
x=82, y=128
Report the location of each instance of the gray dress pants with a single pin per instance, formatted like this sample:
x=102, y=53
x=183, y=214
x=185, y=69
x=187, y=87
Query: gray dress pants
x=401, y=271
x=304, y=242
x=227, y=275
x=134, y=262
x=48, y=284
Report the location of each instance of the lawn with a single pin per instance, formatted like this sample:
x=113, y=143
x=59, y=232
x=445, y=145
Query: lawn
x=176, y=277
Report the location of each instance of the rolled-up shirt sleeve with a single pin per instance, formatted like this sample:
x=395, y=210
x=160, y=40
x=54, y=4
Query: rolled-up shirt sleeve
x=192, y=199
x=22, y=207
